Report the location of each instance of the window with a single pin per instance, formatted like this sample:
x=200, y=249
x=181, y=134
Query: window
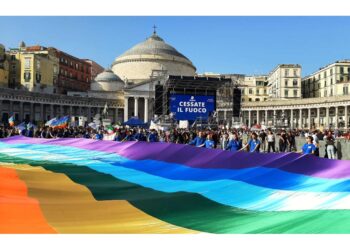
x=295, y=93
x=341, y=70
x=250, y=91
x=325, y=74
x=345, y=90
x=331, y=94
x=331, y=81
x=38, y=65
x=295, y=72
x=257, y=99
x=286, y=82
x=250, y=99
x=331, y=72
x=286, y=93
x=325, y=93
x=38, y=77
x=27, y=62
x=295, y=82
x=27, y=76
x=265, y=91
x=341, y=78
x=286, y=72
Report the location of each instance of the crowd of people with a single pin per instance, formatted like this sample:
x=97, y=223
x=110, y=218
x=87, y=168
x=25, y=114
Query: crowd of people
x=233, y=140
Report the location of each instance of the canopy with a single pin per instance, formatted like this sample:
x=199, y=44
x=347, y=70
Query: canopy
x=135, y=122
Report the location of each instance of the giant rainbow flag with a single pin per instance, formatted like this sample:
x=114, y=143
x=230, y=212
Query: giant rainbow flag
x=87, y=186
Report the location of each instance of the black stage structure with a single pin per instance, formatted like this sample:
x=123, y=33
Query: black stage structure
x=185, y=85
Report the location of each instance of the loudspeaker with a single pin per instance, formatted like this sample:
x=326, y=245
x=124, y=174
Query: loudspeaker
x=237, y=96
x=158, y=103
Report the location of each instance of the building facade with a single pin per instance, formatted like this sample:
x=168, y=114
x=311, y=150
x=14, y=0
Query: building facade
x=74, y=73
x=285, y=82
x=95, y=68
x=331, y=80
x=33, y=68
x=4, y=67
x=308, y=113
x=255, y=89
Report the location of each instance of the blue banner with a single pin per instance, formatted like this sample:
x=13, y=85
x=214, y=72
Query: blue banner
x=191, y=107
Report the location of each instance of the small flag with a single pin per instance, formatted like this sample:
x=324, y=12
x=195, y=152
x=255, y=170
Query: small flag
x=48, y=123
x=12, y=121
x=21, y=126
x=93, y=125
x=60, y=123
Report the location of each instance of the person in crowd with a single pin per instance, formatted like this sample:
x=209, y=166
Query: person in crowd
x=209, y=142
x=234, y=143
x=283, y=142
x=253, y=144
x=198, y=141
x=270, y=142
x=262, y=136
x=291, y=141
x=330, y=146
x=309, y=147
x=99, y=135
x=224, y=140
x=153, y=136
x=316, y=143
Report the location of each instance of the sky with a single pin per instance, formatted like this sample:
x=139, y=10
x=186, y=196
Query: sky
x=238, y=45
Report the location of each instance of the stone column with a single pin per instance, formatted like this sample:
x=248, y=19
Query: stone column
x=346, y=123
x=115, y=115
x=309, y=118
x=266, y=120
x=51, y=111
x=257, y=117
x=70, y=110
x=21, y=111
x=126, y=108
x=146, y=110
x=249, y=119
x=301, y=118
x=336, y=116
x=42, y=115
x=318, y=118
x=62, y=110
x=136, y=106
x=89, y=114
x=327, y=117
x=32, y=113
x=11, y=108
x=291, y=119
x=274, y=117
x=225, y=115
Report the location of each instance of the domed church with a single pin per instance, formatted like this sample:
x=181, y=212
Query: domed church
x=150, y=57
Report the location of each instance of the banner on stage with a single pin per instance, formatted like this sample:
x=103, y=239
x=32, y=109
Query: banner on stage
x=191, y=107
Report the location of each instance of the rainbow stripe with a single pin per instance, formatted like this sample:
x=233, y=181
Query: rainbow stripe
x=139, y=187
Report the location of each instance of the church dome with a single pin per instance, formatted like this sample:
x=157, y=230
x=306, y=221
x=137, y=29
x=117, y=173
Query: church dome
x=107, y=76
x=153, y=54
x=107, y=81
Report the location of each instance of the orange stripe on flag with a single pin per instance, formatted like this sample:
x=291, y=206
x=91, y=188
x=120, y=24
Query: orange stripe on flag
x=18, y=212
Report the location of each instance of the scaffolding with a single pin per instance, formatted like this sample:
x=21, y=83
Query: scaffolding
x=185, y=85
